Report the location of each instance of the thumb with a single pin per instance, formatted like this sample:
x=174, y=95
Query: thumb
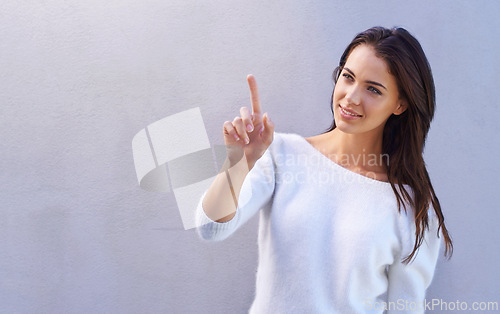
x=268, y=126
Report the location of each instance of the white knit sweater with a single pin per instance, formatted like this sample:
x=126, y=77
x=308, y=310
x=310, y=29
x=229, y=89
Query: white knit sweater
x=330, y=240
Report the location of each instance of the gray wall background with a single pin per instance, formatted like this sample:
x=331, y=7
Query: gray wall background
x=80, y=78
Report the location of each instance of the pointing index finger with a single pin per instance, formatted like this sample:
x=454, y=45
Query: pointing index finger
x=254, y=94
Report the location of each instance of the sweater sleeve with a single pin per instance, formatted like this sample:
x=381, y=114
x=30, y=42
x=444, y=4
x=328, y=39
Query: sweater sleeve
x=256, y=191
x=408, y=282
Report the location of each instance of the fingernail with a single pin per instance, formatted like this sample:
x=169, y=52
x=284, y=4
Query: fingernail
x=247, y=141
x=236, y=137
x=249, y=128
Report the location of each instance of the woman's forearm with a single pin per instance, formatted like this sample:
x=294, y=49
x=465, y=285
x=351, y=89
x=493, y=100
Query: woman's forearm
x=221, y=200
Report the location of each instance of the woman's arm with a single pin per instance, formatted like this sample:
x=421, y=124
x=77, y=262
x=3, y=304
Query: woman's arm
x=255, y=192
x=221, y=199
x=408, y=282
x=246, y=138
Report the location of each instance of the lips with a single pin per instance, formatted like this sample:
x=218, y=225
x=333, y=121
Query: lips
x=349, y=112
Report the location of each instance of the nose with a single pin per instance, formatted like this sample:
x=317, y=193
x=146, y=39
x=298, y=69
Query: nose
x=353, y=95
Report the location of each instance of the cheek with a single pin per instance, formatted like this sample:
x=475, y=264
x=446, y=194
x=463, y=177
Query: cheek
x=338, y=92
x=380, y=110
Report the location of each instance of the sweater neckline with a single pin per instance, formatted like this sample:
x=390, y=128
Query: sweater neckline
x=339, y=167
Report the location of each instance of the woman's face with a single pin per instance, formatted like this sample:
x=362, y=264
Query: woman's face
x=367, y=91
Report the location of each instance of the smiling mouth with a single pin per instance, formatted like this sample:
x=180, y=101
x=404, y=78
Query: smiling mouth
x=349, y=113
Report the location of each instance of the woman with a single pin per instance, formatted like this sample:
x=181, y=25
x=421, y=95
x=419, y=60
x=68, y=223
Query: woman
x=350, y=222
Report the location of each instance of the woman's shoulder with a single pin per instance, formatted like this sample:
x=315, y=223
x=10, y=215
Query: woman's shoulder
x=287, y=146
x=286, y=136
x=283, y=140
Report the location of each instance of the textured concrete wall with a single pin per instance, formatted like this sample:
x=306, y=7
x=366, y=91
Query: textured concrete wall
x=79, y=79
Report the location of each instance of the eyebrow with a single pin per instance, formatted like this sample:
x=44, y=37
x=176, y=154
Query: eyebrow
x=369, y=82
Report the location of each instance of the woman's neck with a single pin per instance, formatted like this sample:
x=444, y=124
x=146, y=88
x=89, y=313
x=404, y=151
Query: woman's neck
x=362, y=151
x=345, y=143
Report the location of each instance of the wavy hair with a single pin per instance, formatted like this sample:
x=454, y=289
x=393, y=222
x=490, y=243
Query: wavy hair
x=404, y=135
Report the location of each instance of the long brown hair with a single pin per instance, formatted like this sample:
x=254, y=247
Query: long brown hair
x=404, y=135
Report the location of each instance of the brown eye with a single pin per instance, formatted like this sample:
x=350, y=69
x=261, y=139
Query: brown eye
x=374, y=90
x=348, y=76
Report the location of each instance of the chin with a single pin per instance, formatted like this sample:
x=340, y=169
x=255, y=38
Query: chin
x=344, y=127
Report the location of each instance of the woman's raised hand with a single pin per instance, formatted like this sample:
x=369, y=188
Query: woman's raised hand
x=250, y=133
